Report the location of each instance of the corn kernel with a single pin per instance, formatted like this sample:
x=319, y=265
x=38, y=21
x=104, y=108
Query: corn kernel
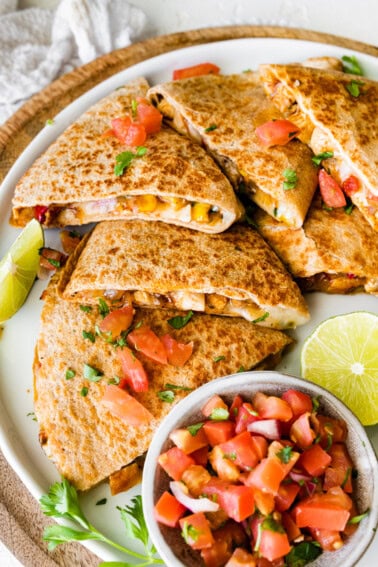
x=146, y=203
x=200, y=212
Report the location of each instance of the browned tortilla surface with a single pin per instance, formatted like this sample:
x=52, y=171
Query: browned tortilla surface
x=84, y=440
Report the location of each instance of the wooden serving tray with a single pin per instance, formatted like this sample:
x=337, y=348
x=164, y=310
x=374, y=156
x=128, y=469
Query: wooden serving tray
x=21, y=521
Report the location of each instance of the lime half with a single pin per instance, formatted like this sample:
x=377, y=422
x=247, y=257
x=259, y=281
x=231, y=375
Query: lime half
x=19, y=268
x=342, y=356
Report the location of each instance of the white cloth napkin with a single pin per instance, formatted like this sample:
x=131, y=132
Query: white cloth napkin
x=37, y=45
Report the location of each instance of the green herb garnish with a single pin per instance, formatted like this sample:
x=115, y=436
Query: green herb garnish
x=315, y=403
x=179, y=321
x=193, y=429
x=91, y=373
x=291, y=179
x=70, y=373
x=211, y=128
x=320, y=157
x=84, y=392
x=285, y=454
x=231, y=456
x=134, y=106
x=62, y=502
x=49, y=122
x=103, y=307
x=353, y=87
x=219, y=414
x=189, y=533
x=88, y=335
x=303, y=553
x=124, y=159
x=357, y=519
x=53, y=262
x=101, y=502
x=86, y=308
x=166, y=396
x=219, y=358
x=351, y=65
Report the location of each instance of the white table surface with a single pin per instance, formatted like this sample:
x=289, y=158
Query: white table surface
x=355, y=19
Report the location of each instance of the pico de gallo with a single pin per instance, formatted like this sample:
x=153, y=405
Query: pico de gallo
x=266, y=481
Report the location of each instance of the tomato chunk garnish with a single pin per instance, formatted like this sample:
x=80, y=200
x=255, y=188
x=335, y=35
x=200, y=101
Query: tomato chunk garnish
x=117, y=321
x=133, y=371
x=149, y=117
x=175, y=462
x=196, y=531
x=330, y=190
x=125, y=406
x=177, y=353
x=40, y=213
x=143, y=339
x=351, y=185
x=195, y=71
x=276, y=132
x=168, y=510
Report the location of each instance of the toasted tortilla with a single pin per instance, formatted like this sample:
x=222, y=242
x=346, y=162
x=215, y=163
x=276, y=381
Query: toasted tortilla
x=333, y=120
x=333, y=252
x=162, y=266
x=174, y=182
x=222, y=112
x=78, y=433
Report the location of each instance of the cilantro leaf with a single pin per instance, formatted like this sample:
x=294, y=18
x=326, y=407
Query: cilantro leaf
x=179, y=321
x=103, y=307
x=320, y=157
x=193, y=429
x=211, y=128
x=303, y=553
x=285, y=454
x=351, y=65
x=353, y=87
x=91, y=373
x=166, y=396
x=124, y=159
x=136, y=529
x=70, y=373
x=88, y=335
x=357, y=519
x=219, y=358
x=219, y=414
x=291, y=179
x=262, y=318
x=85, y=308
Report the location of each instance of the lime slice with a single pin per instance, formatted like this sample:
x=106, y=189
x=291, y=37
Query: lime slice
x=19, y=268
x=342, y=356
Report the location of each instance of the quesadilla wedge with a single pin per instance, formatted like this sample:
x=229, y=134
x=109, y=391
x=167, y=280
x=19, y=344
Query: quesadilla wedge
x=337, y=113
x=168, y=179
x=162, y=266
x=86, y=441
x=222, y=112
x=333, y=252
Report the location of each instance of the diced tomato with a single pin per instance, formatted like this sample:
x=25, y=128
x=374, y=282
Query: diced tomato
x=271, y=407
x=241, y=558
x=215, y=402
x=186, y=441
x=177, y=353
x=290, y=527
x=314, y=460
x=232, y=532
x=301, y=432
x=196, y=531
x=69, y=240
x=218, y=431
x=329, y=540
x=117, y=321
x=329, y=429
x=351, y=528
x=136, y=135
x=40, y=213
x=223, y=466
x=321, y=511
x=298, y=401
x=125, y=406
x=195, y=71
x=267, y=476
x=330, y=190
x=237, y=402
x=133, y=371
x=236, y=500
x=149, y=116
x=120, y=127
x=276, y=132
x=195, y=477
x=287, y=460
x=241, y=449
x=175, y=462
x=286, y=495
x=246, y=415
x=201, y=456
x=350, y=185
x=143, y=339
x=168, y=510
x=273, y=543
x=264, y=501
x=339, y=473
x=260, y=446
x=217, y=555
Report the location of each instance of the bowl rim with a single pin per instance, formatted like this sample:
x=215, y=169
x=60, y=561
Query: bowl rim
x=227, y=385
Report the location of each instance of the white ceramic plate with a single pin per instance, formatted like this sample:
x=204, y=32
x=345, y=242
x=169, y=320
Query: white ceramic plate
x=18, y=431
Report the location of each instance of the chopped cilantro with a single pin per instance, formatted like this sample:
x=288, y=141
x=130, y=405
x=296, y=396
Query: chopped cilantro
x=315, y=403
x=91, y=373
x=303, y=553
x=272, y=525
x=275, y=211
x=193, y=429
x=49, y=122
x=124, y=159
x=357, y=519
x=101, y=502
x=349, y=207
x=166, y=396
x=89, y=335
x=346, y=477
x=219, y=414
x=262, y=318
x=116, y=380
x=86, y=308
x=70, y=373
x=211, y=128
x=219, y=358
x=231, y=456
x=189, y=533
x=320, y=157
x=53, y=262
x=353, y=87
x=134, y=106
x=285, y=454
x=103, y=307
x=291, y=179
x=241, y=369
x=179, y=321
x=84, y=392
x=351, y=65
x=176, y=387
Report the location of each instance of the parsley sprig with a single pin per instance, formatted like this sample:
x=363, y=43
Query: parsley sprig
x=124, y=159
x=62, y=502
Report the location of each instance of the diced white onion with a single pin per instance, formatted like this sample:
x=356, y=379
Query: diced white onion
x=180, y=492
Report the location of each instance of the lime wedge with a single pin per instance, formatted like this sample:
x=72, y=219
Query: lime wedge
x=342, y=356
x=19, y=268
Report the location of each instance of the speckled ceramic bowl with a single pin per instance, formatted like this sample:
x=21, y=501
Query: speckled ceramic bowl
x=169, y=542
